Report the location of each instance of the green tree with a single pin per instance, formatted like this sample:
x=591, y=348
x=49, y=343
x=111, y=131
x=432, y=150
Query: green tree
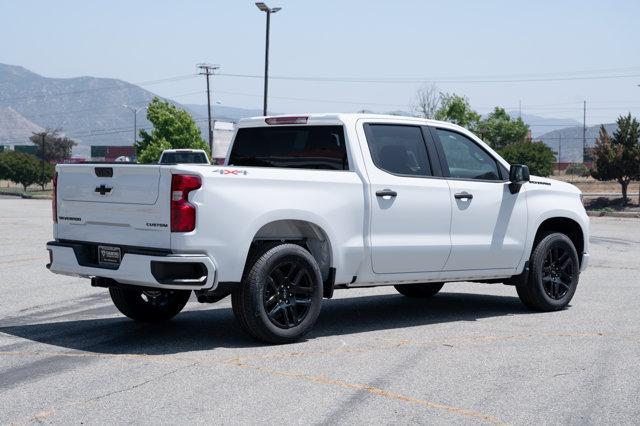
x=25, y=169
x=456, y=109
x=618, y=157
x=4, y=167
x=499, y=130
x=57, y=147
x=172, y=128
x=536, y=155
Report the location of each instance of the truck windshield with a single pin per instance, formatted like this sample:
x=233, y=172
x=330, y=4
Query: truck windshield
x=301, y=147
x=183, y=158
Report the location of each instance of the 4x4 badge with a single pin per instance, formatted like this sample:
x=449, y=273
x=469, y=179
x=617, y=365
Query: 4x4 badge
x=230, y=172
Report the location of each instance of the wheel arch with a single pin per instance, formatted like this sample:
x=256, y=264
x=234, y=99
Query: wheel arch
x=564, y=225
x=305, y=233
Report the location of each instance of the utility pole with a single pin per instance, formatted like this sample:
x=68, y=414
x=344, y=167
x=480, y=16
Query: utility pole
x=208, y=70
x=135, y=120
x=266, y=9
x=42, y=135
x=520, y=109
x=584, y=131
x=560, y=149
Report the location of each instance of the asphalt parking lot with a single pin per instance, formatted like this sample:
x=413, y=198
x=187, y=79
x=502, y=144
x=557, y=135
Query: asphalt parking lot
x=472, y=354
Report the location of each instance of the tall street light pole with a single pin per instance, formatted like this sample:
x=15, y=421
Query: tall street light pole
x=263, y=7
x=135, y=120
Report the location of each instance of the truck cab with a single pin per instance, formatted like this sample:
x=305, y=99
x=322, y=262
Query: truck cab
x=184, y=156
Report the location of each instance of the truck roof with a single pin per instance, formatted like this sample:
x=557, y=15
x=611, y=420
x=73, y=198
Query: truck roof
x=335, y=118
x=350, y=119
x=168, y=151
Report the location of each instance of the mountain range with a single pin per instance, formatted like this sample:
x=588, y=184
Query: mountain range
x=90, y=111
x=87, y=109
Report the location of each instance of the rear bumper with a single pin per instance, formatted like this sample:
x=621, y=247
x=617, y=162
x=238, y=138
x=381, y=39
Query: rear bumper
x=139, y=269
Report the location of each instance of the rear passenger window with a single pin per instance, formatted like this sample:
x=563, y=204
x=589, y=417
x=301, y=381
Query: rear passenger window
x=300, y=147
x=398, y=149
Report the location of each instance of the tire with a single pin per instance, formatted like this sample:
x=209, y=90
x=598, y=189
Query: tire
x=149, y=305
x=281, y=295
x=421, y=291
x=554, y=271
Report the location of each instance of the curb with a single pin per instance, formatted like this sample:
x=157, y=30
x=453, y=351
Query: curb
x=26, y=196
x=628, y=215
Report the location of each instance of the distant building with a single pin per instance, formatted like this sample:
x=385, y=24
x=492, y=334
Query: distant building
x=110, y=153
x=27, y=149
x=222, y=134
x=564, y=165
x=75, y=160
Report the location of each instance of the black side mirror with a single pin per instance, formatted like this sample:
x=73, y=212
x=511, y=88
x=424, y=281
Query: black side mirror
x=518, y=174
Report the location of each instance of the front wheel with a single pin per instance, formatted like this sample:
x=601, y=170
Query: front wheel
x=149, y=305
x=281, y=295
x=421, y=291
x=554, y=270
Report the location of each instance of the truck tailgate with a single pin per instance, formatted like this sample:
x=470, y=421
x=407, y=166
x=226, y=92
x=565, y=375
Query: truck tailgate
x=121, y=204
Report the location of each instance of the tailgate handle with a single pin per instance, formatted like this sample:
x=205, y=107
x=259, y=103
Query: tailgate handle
x=104, y=171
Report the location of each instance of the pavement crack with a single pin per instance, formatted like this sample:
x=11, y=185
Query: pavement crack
x=43, y=415
x=128, y=388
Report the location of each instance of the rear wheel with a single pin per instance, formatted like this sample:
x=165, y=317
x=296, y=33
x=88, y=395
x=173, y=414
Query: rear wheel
x=281, y=295
x=554, y=270
x=419, y=290
x=149, y=305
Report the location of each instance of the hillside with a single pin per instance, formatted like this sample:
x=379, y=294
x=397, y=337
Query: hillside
x=541, y=125
x=87, y=109
x=14, y=128
x=571, y=138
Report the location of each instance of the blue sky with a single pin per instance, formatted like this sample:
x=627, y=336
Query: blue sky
x=146, y=40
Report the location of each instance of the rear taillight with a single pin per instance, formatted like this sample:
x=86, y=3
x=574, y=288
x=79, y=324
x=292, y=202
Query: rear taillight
x=54, y=198
x=183, y=213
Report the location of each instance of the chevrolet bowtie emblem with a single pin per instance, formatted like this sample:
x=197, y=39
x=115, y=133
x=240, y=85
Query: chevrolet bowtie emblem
x=103, y=190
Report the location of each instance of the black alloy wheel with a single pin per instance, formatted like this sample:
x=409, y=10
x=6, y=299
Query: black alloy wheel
x=287, y=295
x=280, y=296
x=558, y=270
x=554, y=271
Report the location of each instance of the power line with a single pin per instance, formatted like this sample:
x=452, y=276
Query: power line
x=433, y=80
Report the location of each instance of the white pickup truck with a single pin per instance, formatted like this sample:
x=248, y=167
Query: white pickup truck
x=307, y=204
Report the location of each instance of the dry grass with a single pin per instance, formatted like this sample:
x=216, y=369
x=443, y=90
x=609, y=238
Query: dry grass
x=590, y=185
x=8, y=186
